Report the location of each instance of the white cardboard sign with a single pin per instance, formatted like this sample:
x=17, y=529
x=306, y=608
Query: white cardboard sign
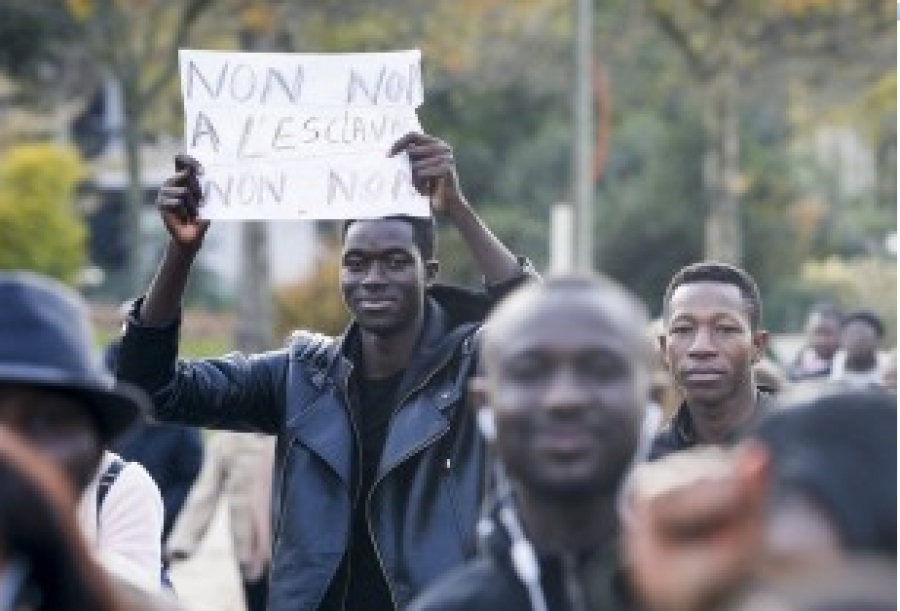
x=302, y=136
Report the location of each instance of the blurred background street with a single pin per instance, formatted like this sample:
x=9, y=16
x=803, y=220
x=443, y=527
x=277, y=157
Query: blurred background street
x=209, y=580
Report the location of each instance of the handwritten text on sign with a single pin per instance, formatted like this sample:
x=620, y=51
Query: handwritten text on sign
x=287, y=136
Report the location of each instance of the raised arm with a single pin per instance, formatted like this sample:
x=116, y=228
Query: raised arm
x=234, y=392
x=434, y=175
x=178, y=202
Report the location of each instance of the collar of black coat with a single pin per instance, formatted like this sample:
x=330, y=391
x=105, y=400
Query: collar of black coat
x=683, y=423
x=452, y=314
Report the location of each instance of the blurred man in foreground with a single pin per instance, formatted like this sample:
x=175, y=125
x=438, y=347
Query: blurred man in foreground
x=563, y=395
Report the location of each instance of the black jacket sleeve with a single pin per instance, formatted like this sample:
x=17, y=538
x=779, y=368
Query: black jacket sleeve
x=234, y=392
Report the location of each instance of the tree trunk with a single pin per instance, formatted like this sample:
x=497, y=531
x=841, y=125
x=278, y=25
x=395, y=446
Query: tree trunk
x=721, y=170
x=254, y=332
x=134, y=204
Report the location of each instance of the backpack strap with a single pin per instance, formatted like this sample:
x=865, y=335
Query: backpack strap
x=106, y=481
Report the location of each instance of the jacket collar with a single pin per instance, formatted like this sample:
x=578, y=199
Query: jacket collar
x=450, y=314
x=686, y=432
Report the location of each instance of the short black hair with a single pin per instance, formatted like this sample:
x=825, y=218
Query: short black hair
x=713, y=271
x=827, y=446
x=424, y=232
x=868, y=317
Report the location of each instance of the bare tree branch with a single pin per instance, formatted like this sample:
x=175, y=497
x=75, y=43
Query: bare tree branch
x=679, y=37
x=192, y=13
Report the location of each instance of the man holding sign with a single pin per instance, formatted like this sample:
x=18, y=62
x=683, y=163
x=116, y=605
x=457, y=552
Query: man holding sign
x=379, y=467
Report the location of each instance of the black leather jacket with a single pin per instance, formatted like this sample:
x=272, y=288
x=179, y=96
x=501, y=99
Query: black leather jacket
x=678, y=433
x=424, y=505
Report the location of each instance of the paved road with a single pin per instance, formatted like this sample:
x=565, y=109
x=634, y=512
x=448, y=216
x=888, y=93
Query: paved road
x=209, y=581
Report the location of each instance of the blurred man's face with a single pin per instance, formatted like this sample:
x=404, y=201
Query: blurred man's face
x=823, y=333
x=568, y=390
x=860, y=340
x=57, y=425
x=709, y=345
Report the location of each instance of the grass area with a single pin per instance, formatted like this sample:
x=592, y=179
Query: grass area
x=190, y=347
x=203, y=334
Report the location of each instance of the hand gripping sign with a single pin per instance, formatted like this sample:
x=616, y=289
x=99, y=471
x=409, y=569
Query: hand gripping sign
x=302, y=136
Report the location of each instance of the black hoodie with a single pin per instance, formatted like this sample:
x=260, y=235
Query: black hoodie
x=490, y=583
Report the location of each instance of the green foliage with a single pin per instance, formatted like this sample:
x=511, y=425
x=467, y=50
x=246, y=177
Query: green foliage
x=31, y=35
x=854, y=283
x=314, y=303
x=498, y=89
x=648, y=223
x=39, y=228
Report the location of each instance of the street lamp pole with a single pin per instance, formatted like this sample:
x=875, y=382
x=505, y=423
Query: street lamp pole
x=584, y=134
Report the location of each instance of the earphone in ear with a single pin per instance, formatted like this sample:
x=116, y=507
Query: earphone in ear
x=485, y=421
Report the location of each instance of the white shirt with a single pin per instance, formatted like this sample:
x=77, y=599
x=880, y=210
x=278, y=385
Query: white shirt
x=127, y=539
x=859, y=379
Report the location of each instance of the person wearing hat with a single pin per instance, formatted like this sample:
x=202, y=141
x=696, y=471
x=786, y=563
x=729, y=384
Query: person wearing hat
x=55, y=393
x=859, y=363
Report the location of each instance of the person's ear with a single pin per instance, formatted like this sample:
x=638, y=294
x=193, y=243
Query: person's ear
x=760, y=343
x=432, y=267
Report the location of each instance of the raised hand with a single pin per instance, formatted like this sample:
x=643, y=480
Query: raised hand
x=433, y=171
x=693, y=526
x=179, y=201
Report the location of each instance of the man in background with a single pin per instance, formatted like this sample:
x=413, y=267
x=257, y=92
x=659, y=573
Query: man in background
x=713, y=337
x=859, y=363
x=823, y=332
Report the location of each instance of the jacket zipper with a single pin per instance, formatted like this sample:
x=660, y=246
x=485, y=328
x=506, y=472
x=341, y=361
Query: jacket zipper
x=283, y=499
x=415, y=450
x=356, y=493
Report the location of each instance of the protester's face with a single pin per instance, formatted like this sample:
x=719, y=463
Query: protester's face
x=59, y=426
x=709, y=345
x=859, y=339
x=823, y=334
x=383, y=277
x=568, y=390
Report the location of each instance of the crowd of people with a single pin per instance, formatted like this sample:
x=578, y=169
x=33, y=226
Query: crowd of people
x=513, y=447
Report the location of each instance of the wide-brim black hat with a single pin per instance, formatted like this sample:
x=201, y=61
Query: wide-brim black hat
x=46, y=340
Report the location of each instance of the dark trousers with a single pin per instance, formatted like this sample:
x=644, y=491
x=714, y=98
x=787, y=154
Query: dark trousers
x=256, y=593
